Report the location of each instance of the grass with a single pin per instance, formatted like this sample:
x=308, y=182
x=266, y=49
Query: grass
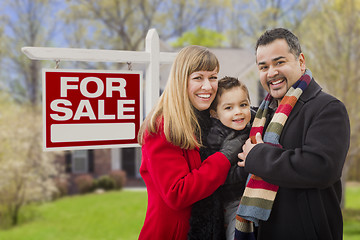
x=352, y=212
x=114, y=215
x=119, y=215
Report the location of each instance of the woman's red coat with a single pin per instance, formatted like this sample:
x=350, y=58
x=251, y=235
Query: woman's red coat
x=175, y=179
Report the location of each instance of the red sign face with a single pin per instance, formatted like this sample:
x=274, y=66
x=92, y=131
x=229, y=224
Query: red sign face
x=85, y=109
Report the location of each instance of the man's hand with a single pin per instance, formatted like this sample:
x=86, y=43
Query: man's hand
x=247, y=148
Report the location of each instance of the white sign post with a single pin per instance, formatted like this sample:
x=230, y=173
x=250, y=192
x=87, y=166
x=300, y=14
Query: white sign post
x=151, y=56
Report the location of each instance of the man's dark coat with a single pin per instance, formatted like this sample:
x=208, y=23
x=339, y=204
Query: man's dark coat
x=307, y=169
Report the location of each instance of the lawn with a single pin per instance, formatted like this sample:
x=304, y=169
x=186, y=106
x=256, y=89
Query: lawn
x=118, y=216
x=114, y=215
x=352, y=212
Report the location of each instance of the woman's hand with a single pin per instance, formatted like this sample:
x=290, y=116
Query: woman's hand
x=231, y=147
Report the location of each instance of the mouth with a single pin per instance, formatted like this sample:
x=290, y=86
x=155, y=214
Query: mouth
x=238, y=120
x=276, y=81
x=204, y=96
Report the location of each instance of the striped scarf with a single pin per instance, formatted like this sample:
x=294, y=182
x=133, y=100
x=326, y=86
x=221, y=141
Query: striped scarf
x=258, y=198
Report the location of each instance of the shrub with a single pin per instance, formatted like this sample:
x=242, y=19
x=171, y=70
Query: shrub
x=62, y=188
x=119, y=177
x=105, y=182
x=84, y=183
x=5, y=218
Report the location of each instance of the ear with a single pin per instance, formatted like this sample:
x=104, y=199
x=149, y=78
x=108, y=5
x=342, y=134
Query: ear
x=213, y=114
x=302, y=62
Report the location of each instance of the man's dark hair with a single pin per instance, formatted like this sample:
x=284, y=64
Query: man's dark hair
x=280, y=33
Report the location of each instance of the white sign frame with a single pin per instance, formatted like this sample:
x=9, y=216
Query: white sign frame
x=104, y=126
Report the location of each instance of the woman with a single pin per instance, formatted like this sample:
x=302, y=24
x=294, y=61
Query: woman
x=171, y=138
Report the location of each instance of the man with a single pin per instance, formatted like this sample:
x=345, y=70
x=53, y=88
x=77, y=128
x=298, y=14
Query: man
x=306, y=142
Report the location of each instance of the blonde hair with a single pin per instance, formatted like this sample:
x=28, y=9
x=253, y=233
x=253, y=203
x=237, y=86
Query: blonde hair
x=181, y=126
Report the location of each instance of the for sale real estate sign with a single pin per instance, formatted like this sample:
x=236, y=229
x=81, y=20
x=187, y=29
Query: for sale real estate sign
x=87, y=109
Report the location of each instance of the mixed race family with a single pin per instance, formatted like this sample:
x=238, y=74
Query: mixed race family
x=216, y=167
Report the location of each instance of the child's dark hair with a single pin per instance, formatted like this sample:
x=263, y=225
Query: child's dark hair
x=227, y=83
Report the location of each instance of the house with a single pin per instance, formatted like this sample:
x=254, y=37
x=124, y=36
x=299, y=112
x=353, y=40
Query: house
x=238, y=63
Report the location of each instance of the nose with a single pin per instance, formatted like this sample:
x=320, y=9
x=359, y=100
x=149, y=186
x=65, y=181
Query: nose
x=241, y=110
x=238, y=110
x=206, y=84
x=272, y=72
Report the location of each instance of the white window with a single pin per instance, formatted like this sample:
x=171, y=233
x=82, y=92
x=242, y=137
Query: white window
x=80, y=161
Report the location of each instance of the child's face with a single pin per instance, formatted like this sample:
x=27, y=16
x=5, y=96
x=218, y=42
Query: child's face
x=233, y=108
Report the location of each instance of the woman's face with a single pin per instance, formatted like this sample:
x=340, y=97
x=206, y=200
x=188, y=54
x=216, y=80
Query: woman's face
x=202, y=87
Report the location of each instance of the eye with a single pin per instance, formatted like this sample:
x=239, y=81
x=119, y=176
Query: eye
x=197, y=78
x=280, y=62
x=244, y=105
x=213, y=78
x=262, y=68
x=228, y=108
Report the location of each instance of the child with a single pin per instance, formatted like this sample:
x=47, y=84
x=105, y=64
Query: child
x=214, y=217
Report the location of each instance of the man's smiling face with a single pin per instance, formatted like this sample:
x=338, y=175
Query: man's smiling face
x=278, y=67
